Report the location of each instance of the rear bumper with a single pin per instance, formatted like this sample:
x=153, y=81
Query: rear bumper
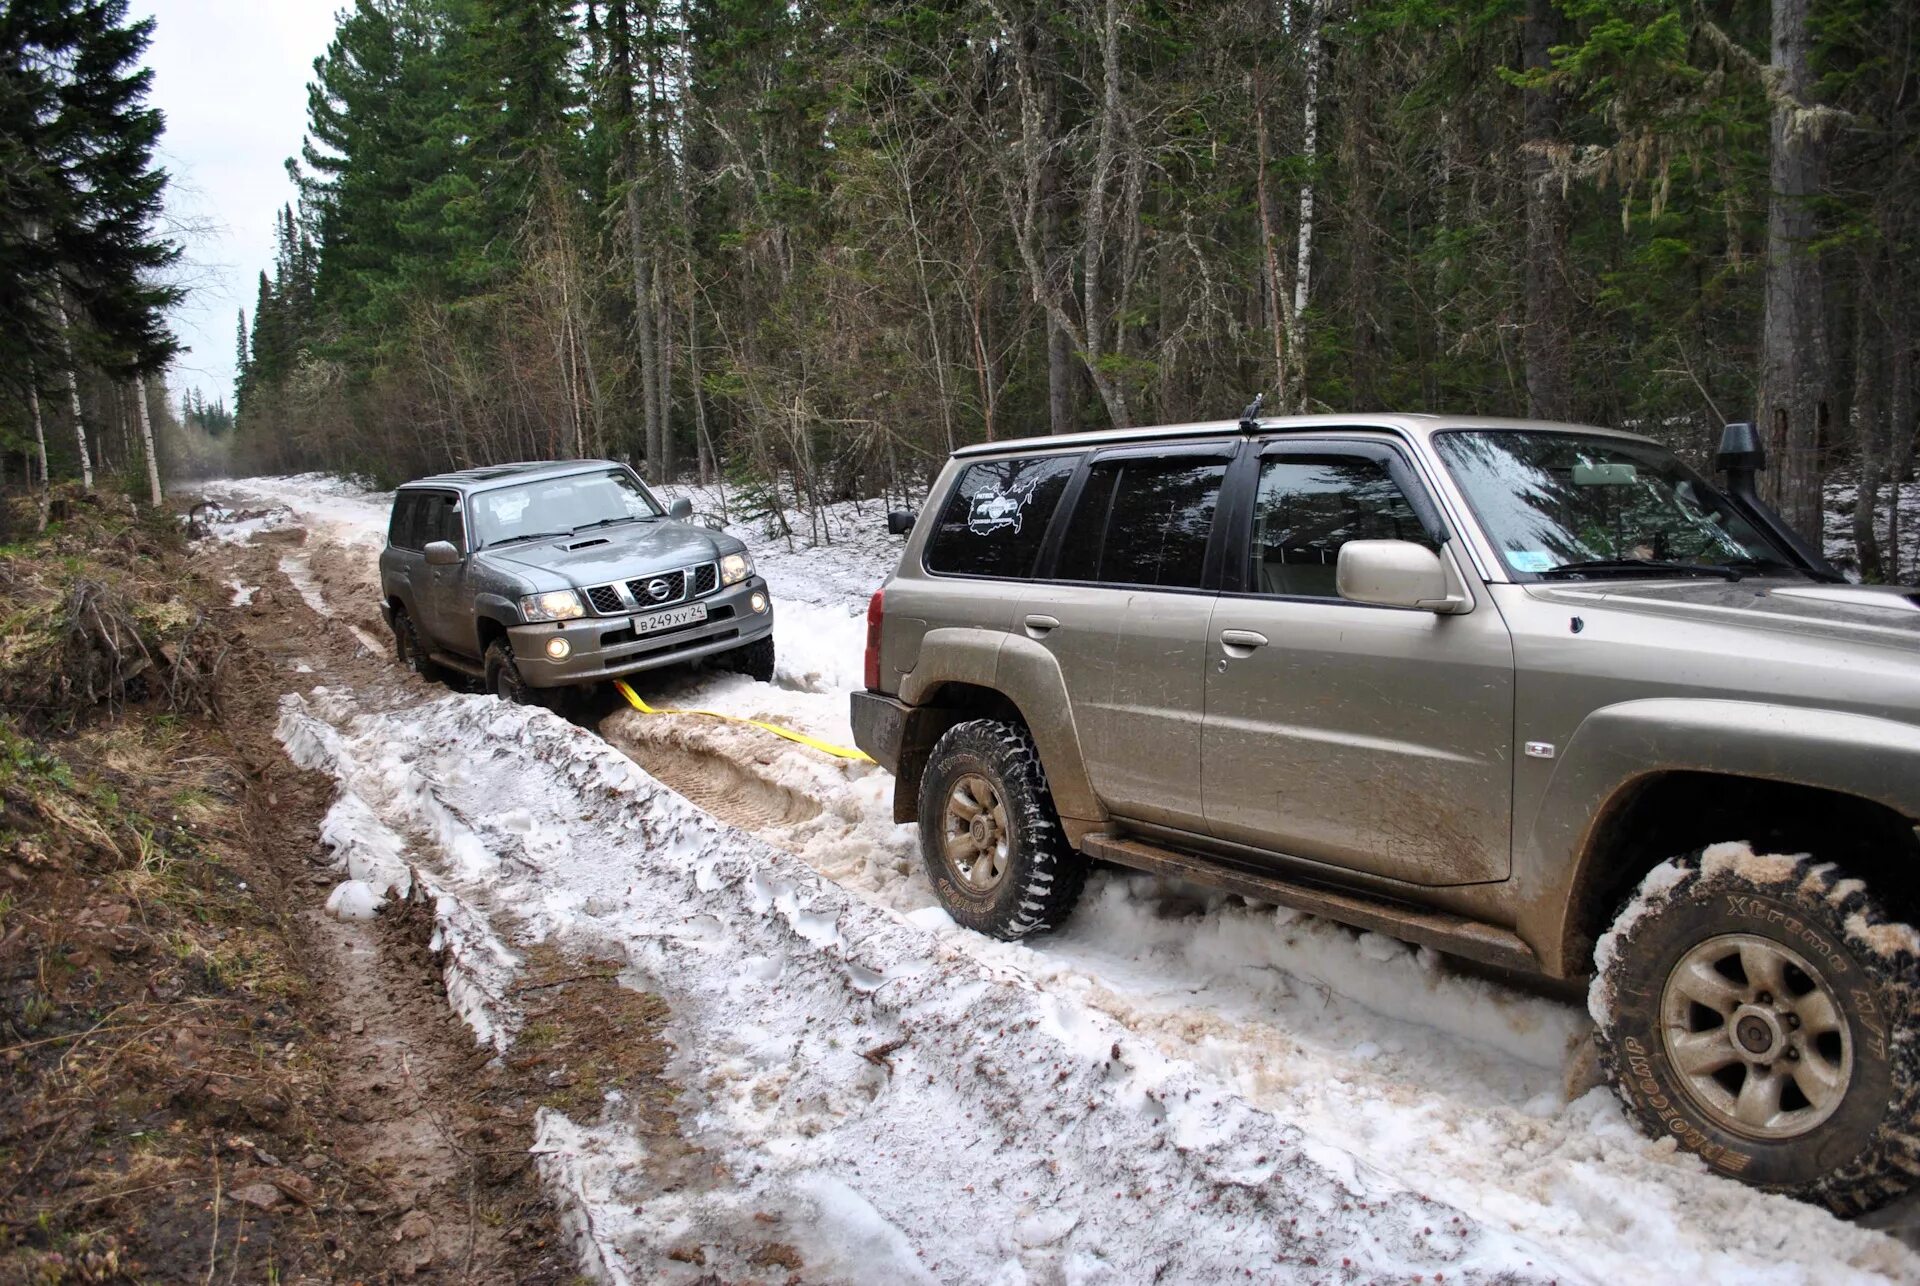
x=880, y=727
x=606, y=647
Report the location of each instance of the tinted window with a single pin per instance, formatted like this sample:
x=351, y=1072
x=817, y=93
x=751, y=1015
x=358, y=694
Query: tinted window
x=1144, y=522
x=439, y=518
x=433, y=519
x=997, y=516
x=1309, y=506
x=405, y=531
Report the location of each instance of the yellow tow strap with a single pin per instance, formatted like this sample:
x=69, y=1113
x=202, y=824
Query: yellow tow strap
x=839, y=752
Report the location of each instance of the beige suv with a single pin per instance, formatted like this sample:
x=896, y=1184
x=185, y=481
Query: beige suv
x=1533, y=694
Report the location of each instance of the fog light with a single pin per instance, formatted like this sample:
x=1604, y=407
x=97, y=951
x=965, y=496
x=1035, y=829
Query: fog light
x=559, y=649
x=759, y=601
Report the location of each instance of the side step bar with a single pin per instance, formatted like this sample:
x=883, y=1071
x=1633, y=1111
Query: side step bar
x=460, y=663
x=1457, y=935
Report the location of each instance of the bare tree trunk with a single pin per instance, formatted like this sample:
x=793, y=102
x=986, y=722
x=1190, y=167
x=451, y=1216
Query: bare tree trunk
x=1303, y=255
x=1900, y=342
x=645, y=340
x=663, y=377
x=1061, y=376
x=1794, y=368
x=1094, y=223
x=146, y=440
x=1548, y=335
x=620, y=31
x=73, y=391
x=1869, y=422
x=1275, y=292
x=39, y=428
x=1062, y=380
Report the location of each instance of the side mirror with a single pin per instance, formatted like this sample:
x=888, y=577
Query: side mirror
x=1393, y=573
x=680, y=510
x=900, y=521
x=441, y=553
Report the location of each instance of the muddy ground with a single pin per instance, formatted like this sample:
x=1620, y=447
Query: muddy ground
x=205, y=1078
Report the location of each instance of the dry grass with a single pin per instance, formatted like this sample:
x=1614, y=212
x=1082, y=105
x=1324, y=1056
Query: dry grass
x=99, y=620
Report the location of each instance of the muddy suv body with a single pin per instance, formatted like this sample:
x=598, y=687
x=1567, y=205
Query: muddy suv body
x=550, y=575
x=1474, y=683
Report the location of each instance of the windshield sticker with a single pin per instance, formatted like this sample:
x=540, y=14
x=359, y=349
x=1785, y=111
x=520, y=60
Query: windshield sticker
x=1534, y=561
x=993, y=509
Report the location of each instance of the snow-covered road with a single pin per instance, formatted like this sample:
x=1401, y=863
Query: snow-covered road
x=1178, y=1083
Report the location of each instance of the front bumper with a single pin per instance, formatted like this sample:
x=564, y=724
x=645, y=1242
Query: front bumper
x=606, y=647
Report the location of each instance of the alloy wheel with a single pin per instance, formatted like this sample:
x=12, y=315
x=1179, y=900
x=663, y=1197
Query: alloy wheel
x=977, y=833
x=1756, y=1035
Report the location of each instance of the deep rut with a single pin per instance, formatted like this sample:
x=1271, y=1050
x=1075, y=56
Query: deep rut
x=721, y=786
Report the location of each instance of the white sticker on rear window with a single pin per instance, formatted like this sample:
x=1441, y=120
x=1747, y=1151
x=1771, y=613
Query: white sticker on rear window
x=1529, y=560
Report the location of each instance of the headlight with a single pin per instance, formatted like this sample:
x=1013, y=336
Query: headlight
x=559, y=605
x=735, y=568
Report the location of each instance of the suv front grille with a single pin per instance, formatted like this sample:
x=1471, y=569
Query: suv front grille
x=673, y=585
x=613, y=600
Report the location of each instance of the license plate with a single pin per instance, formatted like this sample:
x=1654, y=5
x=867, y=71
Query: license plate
x=671, y=618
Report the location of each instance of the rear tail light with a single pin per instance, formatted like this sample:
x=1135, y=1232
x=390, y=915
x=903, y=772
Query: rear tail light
x=876, y=611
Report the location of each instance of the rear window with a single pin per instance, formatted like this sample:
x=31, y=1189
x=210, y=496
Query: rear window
x=997, y=515
x=422, y=517
x=1144, y=522
x=404, y=533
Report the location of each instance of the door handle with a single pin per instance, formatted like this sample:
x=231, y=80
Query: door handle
x=1039, y=626
x=1241, y=642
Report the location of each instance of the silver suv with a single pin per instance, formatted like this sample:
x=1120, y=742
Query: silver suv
x=1533, y=694
x=538, y=577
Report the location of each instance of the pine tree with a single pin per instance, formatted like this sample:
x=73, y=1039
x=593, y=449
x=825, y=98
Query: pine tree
x=79, y=192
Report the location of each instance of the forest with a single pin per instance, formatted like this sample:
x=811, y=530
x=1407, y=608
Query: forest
x=808, y=246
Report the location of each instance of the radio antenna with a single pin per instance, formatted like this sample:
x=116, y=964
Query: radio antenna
x=1250, y=418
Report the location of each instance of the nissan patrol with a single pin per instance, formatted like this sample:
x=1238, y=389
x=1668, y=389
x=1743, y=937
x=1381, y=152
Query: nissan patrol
x=537, y=577
x=1534, y=694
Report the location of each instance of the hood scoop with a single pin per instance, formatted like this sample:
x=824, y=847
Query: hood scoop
x=587, y=544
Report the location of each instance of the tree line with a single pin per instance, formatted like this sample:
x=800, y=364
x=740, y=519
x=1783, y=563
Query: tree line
x=810, y=245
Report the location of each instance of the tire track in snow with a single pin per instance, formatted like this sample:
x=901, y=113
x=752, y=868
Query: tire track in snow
x=1074, y=1147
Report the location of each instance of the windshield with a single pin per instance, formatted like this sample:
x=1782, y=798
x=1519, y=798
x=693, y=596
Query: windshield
x=559, y=506
x=1562, y=505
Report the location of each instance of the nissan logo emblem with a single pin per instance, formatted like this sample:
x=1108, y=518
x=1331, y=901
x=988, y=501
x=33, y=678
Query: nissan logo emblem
x=659, y=588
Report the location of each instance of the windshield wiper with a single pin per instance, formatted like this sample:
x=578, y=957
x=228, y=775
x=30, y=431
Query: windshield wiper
x=608, y=522
x=1640, y=566
x=532, y=535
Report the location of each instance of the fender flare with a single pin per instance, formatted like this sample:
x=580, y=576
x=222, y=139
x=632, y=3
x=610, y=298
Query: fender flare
x=1027, y=675
x=492, y=607
x=1620, y=746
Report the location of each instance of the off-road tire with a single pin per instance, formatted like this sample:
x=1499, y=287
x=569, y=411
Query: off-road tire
x=755, y=660
x=504, y=681
x=1866, y=1151
x=1041, y=875
x=407, y=647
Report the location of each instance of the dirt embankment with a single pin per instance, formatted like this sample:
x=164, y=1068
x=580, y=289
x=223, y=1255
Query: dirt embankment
x=201, y=1078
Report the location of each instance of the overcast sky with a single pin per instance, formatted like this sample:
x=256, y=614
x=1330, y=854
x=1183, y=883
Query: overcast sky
x=231, y=75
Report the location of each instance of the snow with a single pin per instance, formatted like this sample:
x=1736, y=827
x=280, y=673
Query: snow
x=1161, y=1087
x=1062, y=1109
x=354, y=900
x=1842, y=490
